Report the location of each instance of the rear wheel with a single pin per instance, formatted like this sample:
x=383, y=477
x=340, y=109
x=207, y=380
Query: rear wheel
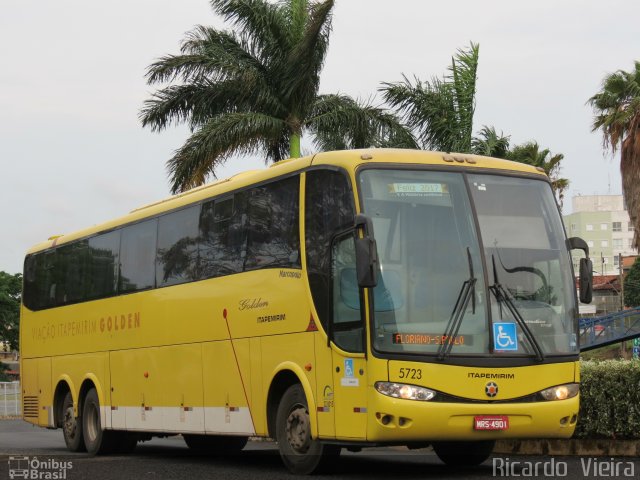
x=71, y=426
x=96, y=440
x=213, y=444
x=300, y=453
x=464, y=453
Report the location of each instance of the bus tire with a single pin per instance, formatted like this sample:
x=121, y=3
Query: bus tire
x=212, y=444
x=71, y=426
x=299, y=452
x=96, y=440
x=466, y=454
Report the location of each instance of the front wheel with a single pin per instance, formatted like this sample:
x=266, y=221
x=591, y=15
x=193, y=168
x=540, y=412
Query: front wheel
x=466, y=454
x=300, y=453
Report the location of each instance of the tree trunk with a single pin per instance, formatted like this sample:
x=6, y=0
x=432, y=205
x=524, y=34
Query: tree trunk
x=294, y=148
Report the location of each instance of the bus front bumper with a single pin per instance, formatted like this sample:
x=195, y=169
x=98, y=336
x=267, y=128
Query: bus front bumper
x=396, y=420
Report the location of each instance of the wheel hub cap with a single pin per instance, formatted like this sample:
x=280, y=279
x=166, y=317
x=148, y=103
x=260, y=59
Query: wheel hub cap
x=69, y=424
x=298, y=432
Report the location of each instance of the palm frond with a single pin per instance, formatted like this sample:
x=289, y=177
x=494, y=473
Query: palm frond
x=196, y=103
x=306, y=59
x=207, y=54
x=463, y=76
x=262, y=24
x=440, y=111
x=616, y=105
x=339, y=122
x=213, y=143
x=489, y=143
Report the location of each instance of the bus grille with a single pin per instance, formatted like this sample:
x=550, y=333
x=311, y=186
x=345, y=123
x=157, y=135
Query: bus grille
x=30, y=407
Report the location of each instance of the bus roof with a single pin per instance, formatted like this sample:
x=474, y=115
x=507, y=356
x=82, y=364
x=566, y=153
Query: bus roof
x=348, y=159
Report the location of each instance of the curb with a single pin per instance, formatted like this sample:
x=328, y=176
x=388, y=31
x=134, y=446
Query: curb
x=587, y=447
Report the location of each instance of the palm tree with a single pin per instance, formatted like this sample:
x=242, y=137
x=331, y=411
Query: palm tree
x=617, y=114
x=491, y=144
x=531, y=154
x=440, y=111
x=256, y=89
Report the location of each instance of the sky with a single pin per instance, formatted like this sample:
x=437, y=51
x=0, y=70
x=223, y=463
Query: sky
x=73, y=152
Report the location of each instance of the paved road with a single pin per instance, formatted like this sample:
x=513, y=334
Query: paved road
x=168, y=458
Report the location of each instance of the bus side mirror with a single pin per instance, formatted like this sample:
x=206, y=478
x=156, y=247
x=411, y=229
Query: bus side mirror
x=366, y=253
x=586, y=269
x=586, y=280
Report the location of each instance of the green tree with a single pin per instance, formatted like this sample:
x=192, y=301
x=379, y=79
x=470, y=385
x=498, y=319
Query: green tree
x=489, y=143
x=10, y=295
x=256, y=90
x=617, y=115
x=632, y=285
x=3, y=373
x=531, y=153
x=440, y=111
x=440, y=115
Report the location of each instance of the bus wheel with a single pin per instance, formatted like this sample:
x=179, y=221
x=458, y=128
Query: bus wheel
x=212, y=444
x=96, y=440
x=300, y=453
x=71, y=426
x=466, y=454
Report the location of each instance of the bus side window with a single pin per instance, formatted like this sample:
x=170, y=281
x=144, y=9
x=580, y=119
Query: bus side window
x=138, y=256
x=102, y=276
x=177, y=256
x=329, y=210
x=273, y=238
x=38, y=281
x=347, y=325
x=223, y=236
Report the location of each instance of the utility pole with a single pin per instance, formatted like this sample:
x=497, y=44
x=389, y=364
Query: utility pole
x=621, y=282
x=623, y=346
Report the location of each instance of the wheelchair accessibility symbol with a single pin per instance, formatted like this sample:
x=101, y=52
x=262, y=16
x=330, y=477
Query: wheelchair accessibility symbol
x=504, y=336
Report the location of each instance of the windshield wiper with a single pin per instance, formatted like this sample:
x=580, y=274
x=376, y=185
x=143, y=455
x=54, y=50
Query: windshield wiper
x=502, y=296
x=467, y=292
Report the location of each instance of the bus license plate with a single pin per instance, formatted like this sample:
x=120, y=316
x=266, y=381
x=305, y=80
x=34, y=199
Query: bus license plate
x=483, y=422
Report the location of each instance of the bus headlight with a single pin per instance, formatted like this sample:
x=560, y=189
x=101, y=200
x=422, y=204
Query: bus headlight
x=404, y=391
x=561, y=392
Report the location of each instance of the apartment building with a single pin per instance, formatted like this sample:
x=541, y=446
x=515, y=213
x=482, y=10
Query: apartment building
x=603, y=222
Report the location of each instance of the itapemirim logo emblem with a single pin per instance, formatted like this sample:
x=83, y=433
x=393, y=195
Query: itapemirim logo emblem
x=491, y=389
x=34, y=469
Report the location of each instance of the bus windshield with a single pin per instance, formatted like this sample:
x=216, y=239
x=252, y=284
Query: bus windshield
x=432, y=297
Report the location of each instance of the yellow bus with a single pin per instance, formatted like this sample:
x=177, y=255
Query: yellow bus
x=344, y=300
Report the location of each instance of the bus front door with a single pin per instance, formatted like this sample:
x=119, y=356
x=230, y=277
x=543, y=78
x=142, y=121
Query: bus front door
x=347, y=334
x=349, y=394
